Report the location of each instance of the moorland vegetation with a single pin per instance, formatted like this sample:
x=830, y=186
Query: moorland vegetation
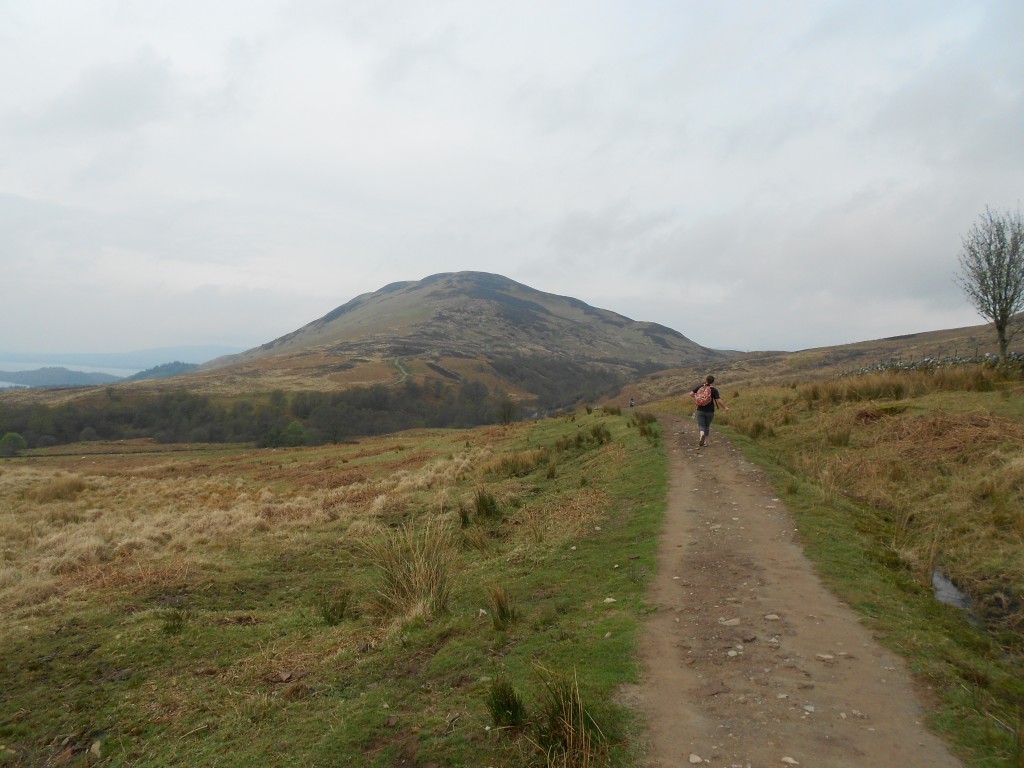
x=448, y=596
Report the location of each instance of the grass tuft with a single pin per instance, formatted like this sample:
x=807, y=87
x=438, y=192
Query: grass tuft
x=486, y=504
x=565, y=732
x=334, y=606
x=503, y=609
x=173, y=621
x=415, y=571
x=507, y=708
x=60, y=488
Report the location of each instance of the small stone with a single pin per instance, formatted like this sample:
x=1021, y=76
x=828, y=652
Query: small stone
x=729, y=622
x=771, y=617
x=789, y=761
x=609, y=599
x=96, y=749
x=809, y=708
x=607, y=635
x=694, y=759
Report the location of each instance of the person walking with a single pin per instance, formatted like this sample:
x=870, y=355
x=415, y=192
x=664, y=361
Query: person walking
x=707, y=399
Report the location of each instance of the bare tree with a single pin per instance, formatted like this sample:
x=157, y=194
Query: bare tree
x=992, y=260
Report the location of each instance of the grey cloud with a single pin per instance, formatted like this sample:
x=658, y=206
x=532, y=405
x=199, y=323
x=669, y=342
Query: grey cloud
x=406, y=58
x=613, y=231
x=111, y=98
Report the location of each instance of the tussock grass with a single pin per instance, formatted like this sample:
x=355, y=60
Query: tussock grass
x=505, y=704
x=897, y=385
x=486, y=504
x=647, y=424
x=565, y=730
x=415, y=569
x=59, y=488
x=517, y=463
x=504, y=612
x=334, y=606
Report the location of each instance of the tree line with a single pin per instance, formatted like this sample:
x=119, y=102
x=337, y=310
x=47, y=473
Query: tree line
x=302, y=418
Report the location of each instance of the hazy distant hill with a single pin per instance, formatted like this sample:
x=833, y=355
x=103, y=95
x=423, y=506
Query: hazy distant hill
x=64, y=377
x=165, y=371
x=57, y=377
x=469, y=326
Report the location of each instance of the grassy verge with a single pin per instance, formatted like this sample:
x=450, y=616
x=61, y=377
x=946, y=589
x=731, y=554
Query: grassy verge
x=351, y=605
x=892, y=478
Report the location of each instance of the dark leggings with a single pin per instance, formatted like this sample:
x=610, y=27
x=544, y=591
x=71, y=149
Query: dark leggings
x=704, y=421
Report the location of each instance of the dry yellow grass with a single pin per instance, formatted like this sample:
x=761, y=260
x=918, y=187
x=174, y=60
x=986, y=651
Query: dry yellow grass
x=56, y=526
x=140, y=518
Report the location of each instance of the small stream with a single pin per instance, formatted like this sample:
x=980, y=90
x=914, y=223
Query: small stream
x=947, y=592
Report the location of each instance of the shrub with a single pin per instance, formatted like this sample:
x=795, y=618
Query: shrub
x=12, y=443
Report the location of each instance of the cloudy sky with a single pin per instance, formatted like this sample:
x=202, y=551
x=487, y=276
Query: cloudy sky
x=755, y=175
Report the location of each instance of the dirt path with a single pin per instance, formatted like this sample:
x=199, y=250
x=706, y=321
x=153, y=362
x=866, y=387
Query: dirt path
x=749, y=660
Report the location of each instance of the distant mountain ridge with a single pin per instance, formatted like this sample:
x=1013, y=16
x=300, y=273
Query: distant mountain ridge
x=57, y=377
x=64, y=377
x=471, y=325
x=466, y=313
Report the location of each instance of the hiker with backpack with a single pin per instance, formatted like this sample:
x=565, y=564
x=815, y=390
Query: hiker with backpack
x=707, y=399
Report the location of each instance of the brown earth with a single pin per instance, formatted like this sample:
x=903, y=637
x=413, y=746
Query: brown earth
x=749, y=661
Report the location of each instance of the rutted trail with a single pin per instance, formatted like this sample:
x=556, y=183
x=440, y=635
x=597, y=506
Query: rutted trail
x=749, y=660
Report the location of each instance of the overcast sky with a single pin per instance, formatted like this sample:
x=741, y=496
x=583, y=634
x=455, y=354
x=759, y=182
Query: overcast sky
x=755, y=175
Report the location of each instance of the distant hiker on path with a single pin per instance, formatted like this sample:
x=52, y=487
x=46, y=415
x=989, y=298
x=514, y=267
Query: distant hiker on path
x=707, y=399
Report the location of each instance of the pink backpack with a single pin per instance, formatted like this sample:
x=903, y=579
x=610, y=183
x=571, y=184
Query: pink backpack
x=703, y=395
